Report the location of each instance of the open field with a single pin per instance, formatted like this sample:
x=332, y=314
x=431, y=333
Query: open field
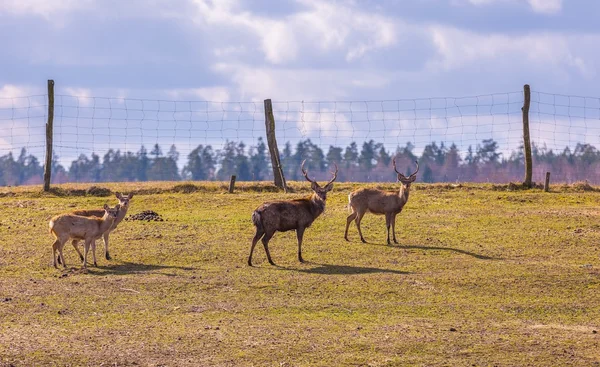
x=482, y=276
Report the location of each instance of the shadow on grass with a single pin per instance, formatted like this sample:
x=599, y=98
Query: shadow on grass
x=133, y=268
x=464, y=252
x=329, y=269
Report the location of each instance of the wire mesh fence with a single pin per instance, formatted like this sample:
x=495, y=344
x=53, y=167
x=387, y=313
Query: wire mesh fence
x=480, y=137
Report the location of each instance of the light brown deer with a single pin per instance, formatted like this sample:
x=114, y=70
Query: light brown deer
x=124, y=203
x=377, y=201
x=71, y=226
x=287, y=215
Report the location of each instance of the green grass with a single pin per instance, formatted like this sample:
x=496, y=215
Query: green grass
x=482, y=276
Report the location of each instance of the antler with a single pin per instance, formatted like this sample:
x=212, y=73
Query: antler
x=305, y=173
x=395, y=169
x=334, y=174
x=416, y=170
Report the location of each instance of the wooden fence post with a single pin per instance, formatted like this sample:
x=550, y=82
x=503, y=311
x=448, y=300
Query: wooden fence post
x=273, y=149
x=526, y=137
x=231, y=184
x=547, y=182
x=49, y=135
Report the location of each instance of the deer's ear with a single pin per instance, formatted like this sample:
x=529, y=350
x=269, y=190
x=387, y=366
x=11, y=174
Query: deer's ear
x=118, y=195
x=329, y=187
x=106, y=207
x=314, y=186
x=130, y=195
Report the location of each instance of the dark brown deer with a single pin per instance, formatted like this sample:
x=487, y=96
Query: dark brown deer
x=287, y=215
x=377, y=201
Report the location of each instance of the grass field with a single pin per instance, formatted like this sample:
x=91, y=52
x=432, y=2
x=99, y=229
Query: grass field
x=482, y=276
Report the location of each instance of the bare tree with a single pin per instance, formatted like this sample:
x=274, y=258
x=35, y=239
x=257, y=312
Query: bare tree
x=377, y=201
x=287, y=215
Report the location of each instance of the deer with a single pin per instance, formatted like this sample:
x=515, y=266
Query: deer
x=378, y=201
x=287, y=215
x=71, y=226
x=124, y=204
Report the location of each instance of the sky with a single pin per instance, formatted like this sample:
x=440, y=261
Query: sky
x=401, y=64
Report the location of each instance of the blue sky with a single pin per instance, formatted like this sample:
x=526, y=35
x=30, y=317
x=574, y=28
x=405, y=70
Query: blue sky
x=306, y=50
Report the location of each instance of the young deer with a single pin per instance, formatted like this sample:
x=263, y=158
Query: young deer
x=377, y=201
x=124, y=203
x=287, y=215
x=71, y=226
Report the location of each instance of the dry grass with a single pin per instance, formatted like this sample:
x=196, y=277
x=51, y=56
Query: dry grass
x=482, y=276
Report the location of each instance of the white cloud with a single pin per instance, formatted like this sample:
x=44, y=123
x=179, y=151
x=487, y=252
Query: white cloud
x=546, y=6
x=321, y=27
x=54, y=12
x=554, y=52
x=12, y=96
x=538, y=6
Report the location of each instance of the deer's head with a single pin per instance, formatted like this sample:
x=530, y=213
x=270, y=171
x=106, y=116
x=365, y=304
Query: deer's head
x=320, y=191
x=124, y=200
x=406, y=181
x=112, y=212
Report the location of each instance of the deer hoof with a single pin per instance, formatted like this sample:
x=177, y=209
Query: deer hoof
x=363, y=240
x=249, y=263
x=81, y=257
x=108, y=256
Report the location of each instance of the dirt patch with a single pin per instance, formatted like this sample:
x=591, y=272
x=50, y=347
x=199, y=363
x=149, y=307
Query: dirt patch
x=98, y=191
x=147, y=215
x=581, y=186
x=185, y=188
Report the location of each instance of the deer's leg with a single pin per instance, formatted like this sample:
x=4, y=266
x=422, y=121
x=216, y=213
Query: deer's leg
x=388, y=223
x=394, y=227
x=94, y=252
x=54, y=250
x=300, y=234
x=77, y=249
x=105, y=239
x=359, y=217
x=265, y=241
x=60, y=251
x=86, y=249
x=257, y=236
x=350, y=218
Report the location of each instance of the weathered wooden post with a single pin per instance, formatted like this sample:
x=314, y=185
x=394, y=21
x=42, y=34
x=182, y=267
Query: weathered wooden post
x=273, y=149
x=232, y=184
x=547, y=182
x=49, y=135
x=526, y=137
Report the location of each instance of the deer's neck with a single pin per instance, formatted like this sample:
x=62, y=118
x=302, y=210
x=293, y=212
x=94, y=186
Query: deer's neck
x=121, y=215
x=107, y=222
x=317, y=204
x=404, y=191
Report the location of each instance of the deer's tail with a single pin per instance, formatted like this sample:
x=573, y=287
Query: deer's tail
x=257, y=220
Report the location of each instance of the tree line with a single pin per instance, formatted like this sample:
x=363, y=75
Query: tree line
x=368, y=163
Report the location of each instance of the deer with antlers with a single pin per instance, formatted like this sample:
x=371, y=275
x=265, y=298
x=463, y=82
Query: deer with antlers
x=287, y=215
x=377, y=201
